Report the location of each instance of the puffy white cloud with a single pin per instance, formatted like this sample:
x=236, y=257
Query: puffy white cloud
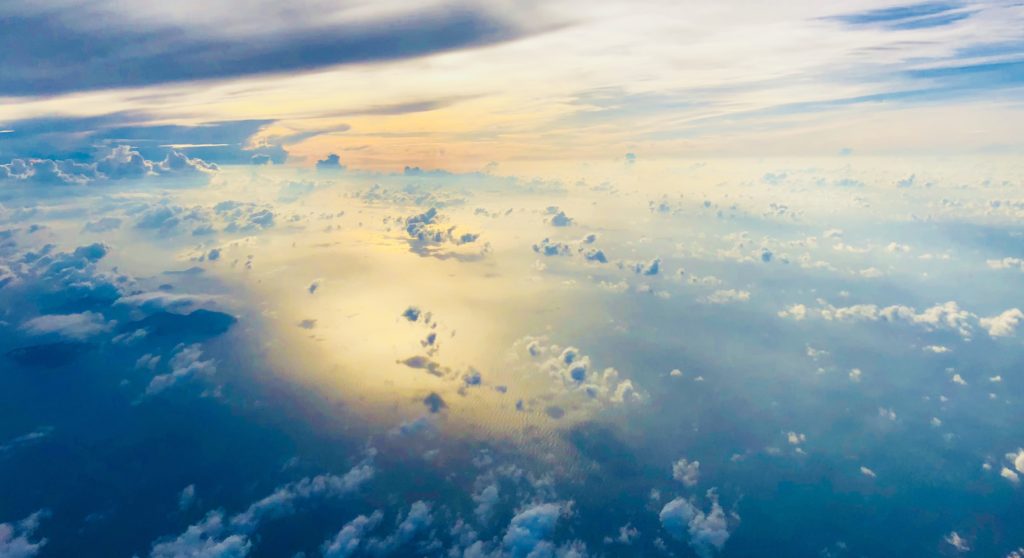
x=486, y=499
x=220, y=536
x=348, y=539
x=559, y=218
x=416, y=520
x=686, y=472
x=947, y=315
x=185, y=363
x=177, y=163
x=122, y=162
x=428, y=235
x=283, y=500
x=72, y=326
x=1004, y=324
x=530, y=528
x=1010, y=475
x=706, y=532
x=1017, y=460
x=16, y=539
x=573, y=371
x=796, y=311
x=210, y=538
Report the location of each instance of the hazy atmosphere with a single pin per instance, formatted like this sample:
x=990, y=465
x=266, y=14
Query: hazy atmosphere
x=509, y=279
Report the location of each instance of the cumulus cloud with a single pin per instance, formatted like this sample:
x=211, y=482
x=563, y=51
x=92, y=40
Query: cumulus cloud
x=795, y=311
x=948, y=315
x=416, y=520
x=686, y=472
x=187, y=362
x=558, y=218
x=221, y=536
x=705, y=532
x=331, y=162
x=348, y=539
x=1004, y=324
x=18, y=540
x=210, y=538
x=530, y=528
x=569, y=368
x=121, y=163
x=428, y=235
x=957, y=542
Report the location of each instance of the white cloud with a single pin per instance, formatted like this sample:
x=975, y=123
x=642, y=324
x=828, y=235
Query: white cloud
x=796, y=311
x=686, y=472
x=724, y=296
x=530, y=528
x=705, y=532
x=1003, y=325
x=72, y=326
x=956, y=541
x=220, y=536
x=186, y=362
x=16, y=539
x=348, y=539
x=1010, y=475
x=1006, y=263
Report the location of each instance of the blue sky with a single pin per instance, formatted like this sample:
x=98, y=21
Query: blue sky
x=425, y=83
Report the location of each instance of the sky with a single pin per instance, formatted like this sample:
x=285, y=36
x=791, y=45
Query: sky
x=519, y=279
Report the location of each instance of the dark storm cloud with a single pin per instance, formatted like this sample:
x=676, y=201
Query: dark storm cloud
x=56, y=49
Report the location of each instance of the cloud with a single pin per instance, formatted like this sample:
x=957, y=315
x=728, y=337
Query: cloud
x=72, y=326
x=429, y=236
x=909, y=16
x=948, y=315
x=796, y=311
x=706, y=533
x=649, y=268
x=187, y=497
x=1003, y=325
x=725, y=296
x=435, y=403
x=187, y=362
x=559, y=218
x=106, y=224
x=16, y=538
x=222, y=536
x=330, y=163
x=210, y=538
x=348, y=539
x=1006, y=263
x=121, y=163
x=686, y=472
x=529, y=528
x=487, y=498
x=418, y=518
x=957, y=542
x=148, y=44
x=572, y=370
